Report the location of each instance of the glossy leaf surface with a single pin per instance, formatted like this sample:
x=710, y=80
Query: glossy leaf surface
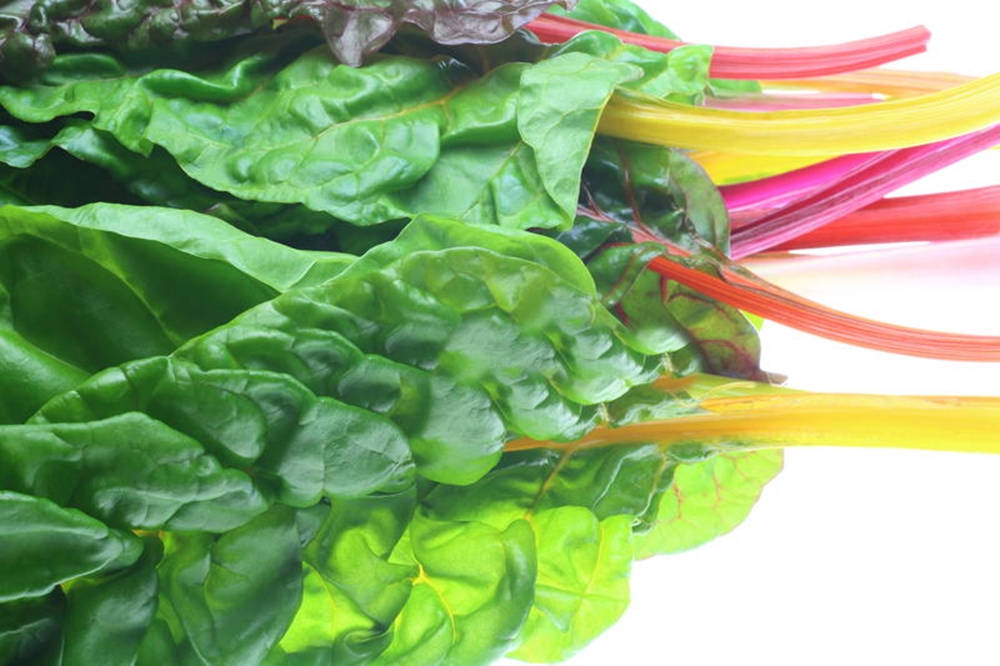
x=83, y=289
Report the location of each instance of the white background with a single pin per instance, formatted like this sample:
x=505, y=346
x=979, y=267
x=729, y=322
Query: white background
x=851, y=556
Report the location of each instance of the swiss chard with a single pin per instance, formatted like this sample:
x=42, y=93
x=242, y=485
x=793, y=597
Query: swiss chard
x=215, y=449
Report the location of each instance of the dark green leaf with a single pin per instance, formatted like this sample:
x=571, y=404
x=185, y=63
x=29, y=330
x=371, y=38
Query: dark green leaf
x=235, y=595
x=129, y=471
x=86, y=288
x=109, y=616
x=45, y=545
x=30, y=630
x=619, y=14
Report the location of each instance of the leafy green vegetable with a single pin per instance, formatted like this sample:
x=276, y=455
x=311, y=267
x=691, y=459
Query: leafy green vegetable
x=619, y=14
x=83, y=289
x=706, y=499
x=33, y=31
x=45, y=545
x=582, y=582
x=109, y=615
x=220, y=450
x=392, y=140
x=274, y=456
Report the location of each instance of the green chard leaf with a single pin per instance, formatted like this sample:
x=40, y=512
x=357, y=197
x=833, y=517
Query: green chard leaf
x=582, y=586
x=594, y=509
x=83, y=289
x=45, y=545
x=352, y=593
x=35, y=31
x=30, y=629
x=659, y=193
x=109, y=615
x=276, y=455
x=290, y=131
x=404, y=340
x=626, y=15
x=618, y=14
x=236, y=594
x=472, y=592
x=707, y=499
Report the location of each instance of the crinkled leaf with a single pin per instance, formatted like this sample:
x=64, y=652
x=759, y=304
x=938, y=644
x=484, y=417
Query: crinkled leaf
x=583, y=506
x=681, y=75
x=110, y=615
x=470, y=597
x=106, y=171
x=388, y=141
x=603, y=498
x=45, y=545
x=351, y=592
x=34, y=31
x=608, y=481
x=708, y=499
x=402, y=344
x=298, y=445
x=582, y=585
x=129, y=471
x=236, y=594
x=365, y=145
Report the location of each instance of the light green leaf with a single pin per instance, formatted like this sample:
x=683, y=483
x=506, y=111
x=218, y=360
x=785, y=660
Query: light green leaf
x=582, y=586
x=470, y=597
x=707, y=499
x=559, y=104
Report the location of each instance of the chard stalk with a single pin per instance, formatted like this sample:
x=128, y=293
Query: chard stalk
x=967, y=424
x=944, y=216
x=725, y=168
x=886, y=125
x=890, y=83
x=858, y=188
x=771, y=102
x=761, y=63
x=780, y=189
x=742, y=289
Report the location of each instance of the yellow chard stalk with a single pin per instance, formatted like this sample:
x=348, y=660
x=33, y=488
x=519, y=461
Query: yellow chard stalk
x=889, y=125
x=766, y=417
